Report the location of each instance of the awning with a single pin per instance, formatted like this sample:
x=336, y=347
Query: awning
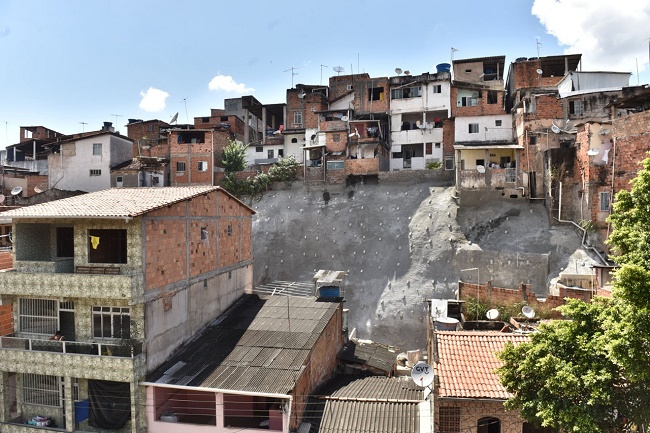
x=313, y=146
x=487, y=146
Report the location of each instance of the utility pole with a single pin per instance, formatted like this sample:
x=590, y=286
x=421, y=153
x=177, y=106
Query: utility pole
x=321, y=73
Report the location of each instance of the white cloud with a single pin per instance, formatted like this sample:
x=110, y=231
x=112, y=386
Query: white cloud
x=153, y=100
x=610, y=35
x=226, y=83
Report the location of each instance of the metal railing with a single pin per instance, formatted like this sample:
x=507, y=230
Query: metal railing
x=124, y=350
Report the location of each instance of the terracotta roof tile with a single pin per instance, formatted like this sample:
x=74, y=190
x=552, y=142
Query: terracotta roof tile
x=467, y=362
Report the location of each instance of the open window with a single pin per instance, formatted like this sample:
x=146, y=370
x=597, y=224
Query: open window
x=107, y=246
x=489, y=425
x=376, y=94
x=246, y=411
x=64, y=242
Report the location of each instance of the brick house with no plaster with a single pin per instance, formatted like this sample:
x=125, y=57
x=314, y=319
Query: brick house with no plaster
x=126, y=275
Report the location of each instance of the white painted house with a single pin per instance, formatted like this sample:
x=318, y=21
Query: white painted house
x=418, y=105
x=84, y=163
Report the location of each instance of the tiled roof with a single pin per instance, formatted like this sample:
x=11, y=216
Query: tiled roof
x=112, y=203
x=373, y=354
x=258, y=345
x=348, y=404
x=467, y=362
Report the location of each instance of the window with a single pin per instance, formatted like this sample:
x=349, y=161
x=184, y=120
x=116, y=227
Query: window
x=38, y=316
x=470, y=101
x=449, y=419
x=604, y=201
x=180, y=166
x=350, y=87
x=64, y=242
x=492, y=97
x=205, y=120
x=406, y=92
x=41, y=390
x=150, y=128
x=437, y=88
x=473, y=128
x=294, y=140
x=119, y=179
x=297, y=118
x=259, y=149
x=95, y=172
x=269, y=154
x=203, y=166
x=280, y=153
x=97, y=148
x=335, y=165
x=429, y=148
x=396, y=155
x=223, y=119
x=155, y=180
x=229, y=230
x=438, y=145
x=532, y=140
x=449, y=162
x=107, y=246
x=480, y=162
x=111, y=322
x=312, y=109
x=575, y=107
x=204, y=234
x=336, y=137
x=376, y=94
x=489, y=425
x=498, y=122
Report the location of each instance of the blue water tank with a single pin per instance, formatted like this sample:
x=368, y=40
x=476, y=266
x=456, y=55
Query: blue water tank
x=443, y=67
x=521, y=59
x=329, y=291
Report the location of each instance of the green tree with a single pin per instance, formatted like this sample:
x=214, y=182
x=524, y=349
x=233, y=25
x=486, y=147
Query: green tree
x=284, y=170
x=233, y=157
x=591, y=372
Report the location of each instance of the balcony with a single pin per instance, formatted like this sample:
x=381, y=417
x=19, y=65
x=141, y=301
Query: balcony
x=109, y=361
x=412, y=136
x=44, y=279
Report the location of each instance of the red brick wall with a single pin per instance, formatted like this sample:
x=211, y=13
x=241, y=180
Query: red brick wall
x=482, y=109
x=448, y=132
x=338, y=84
x=173, y=236
x=34, y=180
x=525, y=75
x=632, y=137
x=548, y=107
x=6, y=319
x=192, y=154
x=336, y=141
x=140, y=131
x=6, y=258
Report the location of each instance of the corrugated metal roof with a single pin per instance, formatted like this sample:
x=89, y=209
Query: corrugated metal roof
x=366, y=405
x=238, y=351
x=467, y=362
x=113, y=203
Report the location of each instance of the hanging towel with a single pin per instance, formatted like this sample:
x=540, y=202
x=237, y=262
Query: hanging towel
x=94, y=241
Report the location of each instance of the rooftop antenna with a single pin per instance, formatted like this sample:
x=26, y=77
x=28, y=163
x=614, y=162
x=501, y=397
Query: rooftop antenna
x=116, y=116
x=187, y=119
x=321, y=73
x=338, y=69
x=539, y=44
x=83, y=126
x=292, y=69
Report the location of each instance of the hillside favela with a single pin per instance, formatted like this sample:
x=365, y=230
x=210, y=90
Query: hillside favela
x=464, y=250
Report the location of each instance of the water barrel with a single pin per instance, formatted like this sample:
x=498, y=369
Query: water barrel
x=521, y=59
x=329, y=291
x=446, y=324
x=443, y=67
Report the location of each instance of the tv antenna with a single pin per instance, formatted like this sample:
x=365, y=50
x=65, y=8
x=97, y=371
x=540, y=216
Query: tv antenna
x=321, y=73
x=293, y=72
x=539, y=44
x=338, y=69
x=187, y=119
x=83, y=126
x=116, y=116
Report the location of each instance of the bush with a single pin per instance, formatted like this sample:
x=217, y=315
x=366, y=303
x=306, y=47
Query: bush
x=284, y=170
x=434, y=165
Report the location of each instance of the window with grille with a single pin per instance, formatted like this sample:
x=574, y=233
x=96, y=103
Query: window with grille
x=449, y=419
x=604, y=201
x=473, y=128
x=97, y=149
x=41, y=390
x=203, y=166
x=111, y=322
x=180, y=166
x=38, y=316
x=95, y=172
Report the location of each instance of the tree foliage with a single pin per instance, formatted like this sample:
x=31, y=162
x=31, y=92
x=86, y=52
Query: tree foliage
x=233, y=157
x=591, y=373
x=284, y=170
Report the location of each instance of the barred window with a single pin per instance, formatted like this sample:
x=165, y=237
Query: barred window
x=41, y=390
x=38, y=316
x=111, y=322
x=449, y=419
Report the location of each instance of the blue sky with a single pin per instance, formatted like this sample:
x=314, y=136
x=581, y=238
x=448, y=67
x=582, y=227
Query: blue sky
x=66, y=62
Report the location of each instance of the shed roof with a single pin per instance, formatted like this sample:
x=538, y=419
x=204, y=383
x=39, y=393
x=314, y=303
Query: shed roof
x=467, y=362
x=114, y=203
x=259, y=345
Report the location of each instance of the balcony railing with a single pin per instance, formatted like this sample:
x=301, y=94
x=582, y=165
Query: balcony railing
x=74, y=347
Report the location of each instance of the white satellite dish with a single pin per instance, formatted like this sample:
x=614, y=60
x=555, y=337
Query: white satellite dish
x=2, y=198
x=17, y=190
x=419, y=124
x=539, y=72
x=338, y=69
x=398, y=71
x=480, y=169
x=302, y=95
x=593, y=152
x=555, y=129
x=528, y=311
x=429, y=125
x=344, y=118
x=492, y=314
x=37, y=190
x=422, y=374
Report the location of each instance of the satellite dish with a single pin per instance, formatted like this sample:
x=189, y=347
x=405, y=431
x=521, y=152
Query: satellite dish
x=398, y=71
x=17, y=190
x=37, y=190
x=338, y=69
x=429, y=125
x=422, y=374
x=492, y=314
x=407, y=72
x=555, y=129
x=302, y=95
x=2, y=198
x=419, y=124
x=539, y=72
x=344, y=118
x=528, y=311
x=480, y=169
x=593, y=152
